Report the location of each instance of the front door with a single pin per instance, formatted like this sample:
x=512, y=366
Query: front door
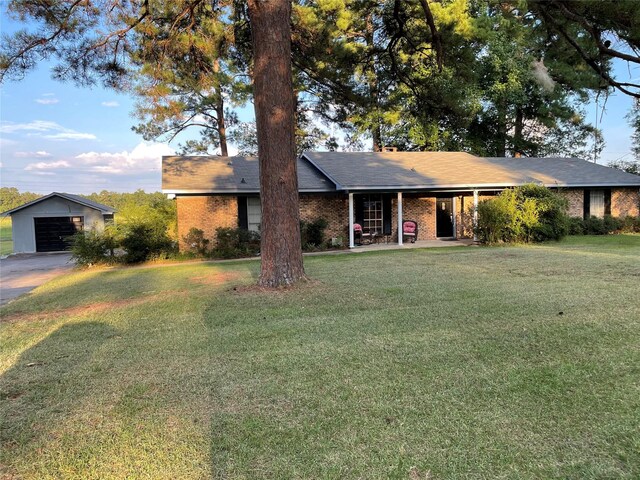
x=444, y=217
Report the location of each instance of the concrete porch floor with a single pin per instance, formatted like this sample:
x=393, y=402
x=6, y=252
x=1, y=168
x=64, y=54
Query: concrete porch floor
x=463, y=242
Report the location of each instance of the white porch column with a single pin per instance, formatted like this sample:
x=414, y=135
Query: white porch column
x=475, y=215
x=399, y=218
x=351, y=235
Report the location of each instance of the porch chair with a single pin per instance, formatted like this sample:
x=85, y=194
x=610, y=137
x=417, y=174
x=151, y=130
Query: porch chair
x=360, y=236
x=410, y=230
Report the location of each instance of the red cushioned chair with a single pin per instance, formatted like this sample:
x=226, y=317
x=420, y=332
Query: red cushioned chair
x=410, y=230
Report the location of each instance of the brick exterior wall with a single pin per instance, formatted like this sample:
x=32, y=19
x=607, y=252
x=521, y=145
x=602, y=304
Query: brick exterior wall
x=210, y=212
x=625, y=201
x=333, y=208
x=422, y=209
x=206, y=213
x=575, y=198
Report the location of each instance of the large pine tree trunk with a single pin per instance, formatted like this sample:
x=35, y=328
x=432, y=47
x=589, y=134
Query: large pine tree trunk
x=221, y=126
x=274, y=102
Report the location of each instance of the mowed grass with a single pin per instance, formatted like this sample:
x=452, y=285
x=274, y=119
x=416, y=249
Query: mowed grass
x=6, y=241
x=518, y=362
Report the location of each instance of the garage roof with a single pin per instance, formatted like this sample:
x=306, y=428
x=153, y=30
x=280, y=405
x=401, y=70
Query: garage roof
x=67, y=196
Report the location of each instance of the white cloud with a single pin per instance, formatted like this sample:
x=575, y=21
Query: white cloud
x=47, y=101
x=48, y=166
x=39, y=154
x=110, y=104
x=145, y=157
x=71, y=136
x=52, y=130
x=35, y=126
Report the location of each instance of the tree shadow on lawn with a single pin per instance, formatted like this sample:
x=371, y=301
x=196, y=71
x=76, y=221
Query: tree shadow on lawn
x=45, y=385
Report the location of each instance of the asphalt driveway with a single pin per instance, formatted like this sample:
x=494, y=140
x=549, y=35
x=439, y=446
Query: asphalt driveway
x=22, y=273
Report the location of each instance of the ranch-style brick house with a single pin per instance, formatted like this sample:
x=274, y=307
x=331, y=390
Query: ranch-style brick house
x=438, y=190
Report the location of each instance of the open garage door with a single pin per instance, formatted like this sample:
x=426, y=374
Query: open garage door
x=53, y=233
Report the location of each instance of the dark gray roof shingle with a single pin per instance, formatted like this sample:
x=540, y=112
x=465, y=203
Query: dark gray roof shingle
x=423, y=170
x=209, y=174
x=340, y=171
x=106, y=210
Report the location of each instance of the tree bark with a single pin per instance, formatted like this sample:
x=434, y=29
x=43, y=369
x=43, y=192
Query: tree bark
x=518, y=140
x=372, y=81
x=280, y=245
x=501, y=146
x=221, y=126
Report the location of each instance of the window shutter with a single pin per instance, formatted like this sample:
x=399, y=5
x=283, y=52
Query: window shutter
x=243, y=219
x=386, y=215
x=359, y=204
x=607, y=202
x=587, y=204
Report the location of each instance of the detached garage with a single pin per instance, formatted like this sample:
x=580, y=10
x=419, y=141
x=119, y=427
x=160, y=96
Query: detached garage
x=46, y=224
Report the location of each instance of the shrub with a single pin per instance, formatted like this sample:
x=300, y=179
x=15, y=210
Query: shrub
x=312, y=233
x=196, y=242
x=91, y=247
x=492, y=221
x=236, y=243
x=576, y=226
x=551, y=208
x=630, y=224
x=523, y=214
x=611, y=224
x=144, y=242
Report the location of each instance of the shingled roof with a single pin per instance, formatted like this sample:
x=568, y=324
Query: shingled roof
x=104, y=209
x=458, y=170
x=209, y=174
x=352, y=171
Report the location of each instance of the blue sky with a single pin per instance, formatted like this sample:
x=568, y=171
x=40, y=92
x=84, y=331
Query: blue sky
x=58, y=137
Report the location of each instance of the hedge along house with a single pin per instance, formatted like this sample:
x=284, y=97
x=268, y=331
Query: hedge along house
x=45, y=224
x=438, y=190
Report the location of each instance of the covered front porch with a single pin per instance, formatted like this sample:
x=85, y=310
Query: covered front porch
x=381, y=218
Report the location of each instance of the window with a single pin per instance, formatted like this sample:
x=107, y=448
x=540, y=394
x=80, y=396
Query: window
x=597, y=203
x=372, y=219
x=596, y=206
x=254, y=214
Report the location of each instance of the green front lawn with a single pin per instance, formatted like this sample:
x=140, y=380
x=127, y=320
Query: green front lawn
x=515, y=362
x=6, y=241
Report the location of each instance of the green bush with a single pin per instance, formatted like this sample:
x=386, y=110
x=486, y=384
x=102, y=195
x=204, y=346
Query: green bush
x=576, y=226
x=612, y=224
x=551, y=208
x=92, y=247
x=312, y=233
x=492, y=221
x=523, y=214
x=630, y=224
x=195, y=242
x=145, y=242
x=236, y=243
